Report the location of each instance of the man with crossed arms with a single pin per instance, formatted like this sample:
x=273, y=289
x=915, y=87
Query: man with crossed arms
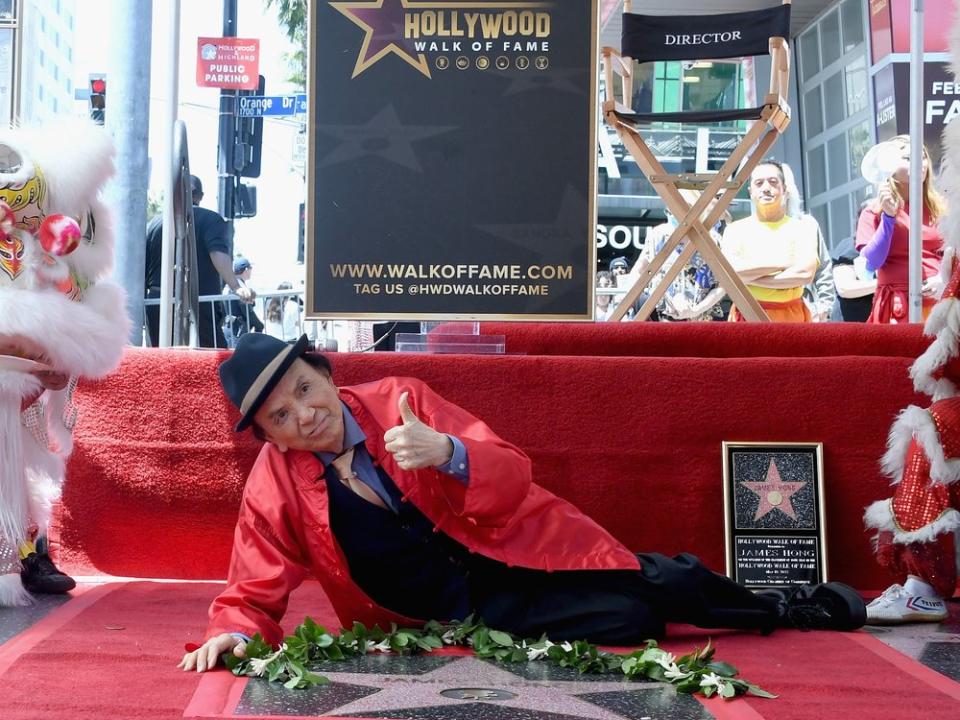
x=407, y=508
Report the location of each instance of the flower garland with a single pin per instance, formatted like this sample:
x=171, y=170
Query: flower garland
x=696, y=672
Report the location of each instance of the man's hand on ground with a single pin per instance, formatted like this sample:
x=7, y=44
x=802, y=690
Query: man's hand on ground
x=206, y=656
x=415, y=444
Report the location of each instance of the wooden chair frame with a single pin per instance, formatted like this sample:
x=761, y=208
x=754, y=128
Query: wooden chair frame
x=729, y=179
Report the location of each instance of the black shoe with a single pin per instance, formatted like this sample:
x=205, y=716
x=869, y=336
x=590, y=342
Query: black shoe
x=828, y=606
x=40, y=575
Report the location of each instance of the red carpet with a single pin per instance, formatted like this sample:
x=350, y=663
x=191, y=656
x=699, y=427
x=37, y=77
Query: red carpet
x=704, y=340
x=111, y=653
x=156, y=475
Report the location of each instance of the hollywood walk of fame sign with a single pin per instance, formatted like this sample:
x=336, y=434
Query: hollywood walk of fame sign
x=451, y=159
x=774, y=514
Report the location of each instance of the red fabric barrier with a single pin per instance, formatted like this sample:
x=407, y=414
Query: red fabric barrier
x=710, y=339
x=156, y=475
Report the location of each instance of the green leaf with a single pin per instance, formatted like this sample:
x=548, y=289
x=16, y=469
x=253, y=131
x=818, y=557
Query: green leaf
x=722, y=668
x=310, y=679
x=312, y=642
x=518, y=655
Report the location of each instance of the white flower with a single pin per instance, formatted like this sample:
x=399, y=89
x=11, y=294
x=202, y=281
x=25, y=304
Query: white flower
x=535, y=653
x=259, y=665
x=712, y=679
x=566, y=646
x=447, y=637
x=666, y=661
x=382, y=646
x=672, y=672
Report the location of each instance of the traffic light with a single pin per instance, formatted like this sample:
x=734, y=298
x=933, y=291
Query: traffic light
x=98, y=97
x=245, y=201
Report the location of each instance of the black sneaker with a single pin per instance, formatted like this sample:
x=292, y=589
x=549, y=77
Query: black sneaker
x=828, y=606
x=40, y=575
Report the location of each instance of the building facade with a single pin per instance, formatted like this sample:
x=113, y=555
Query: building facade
x=46, y=78
x=850, y=88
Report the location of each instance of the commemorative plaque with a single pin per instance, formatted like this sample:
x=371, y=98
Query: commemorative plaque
x=773, y=513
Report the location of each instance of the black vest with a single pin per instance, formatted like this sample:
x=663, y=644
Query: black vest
x=397, y=558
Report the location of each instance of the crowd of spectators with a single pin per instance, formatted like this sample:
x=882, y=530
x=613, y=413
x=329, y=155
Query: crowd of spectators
x=781, y=255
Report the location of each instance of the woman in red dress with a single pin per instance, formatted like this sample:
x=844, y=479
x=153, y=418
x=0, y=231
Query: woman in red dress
x=883, y=238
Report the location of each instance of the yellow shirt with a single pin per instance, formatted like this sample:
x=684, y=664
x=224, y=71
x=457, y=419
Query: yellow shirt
x=786, y=242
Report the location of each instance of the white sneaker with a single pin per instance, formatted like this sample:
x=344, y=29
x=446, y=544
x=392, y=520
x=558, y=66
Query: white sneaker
x=896, y=606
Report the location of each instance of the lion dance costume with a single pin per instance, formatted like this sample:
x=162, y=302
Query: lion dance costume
x=917, y=529
x=56, y=308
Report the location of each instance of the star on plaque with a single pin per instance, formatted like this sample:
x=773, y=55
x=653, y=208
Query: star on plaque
x=382, y=21
x=774, y=493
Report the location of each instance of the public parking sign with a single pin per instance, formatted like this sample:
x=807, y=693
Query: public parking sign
x=228, y=63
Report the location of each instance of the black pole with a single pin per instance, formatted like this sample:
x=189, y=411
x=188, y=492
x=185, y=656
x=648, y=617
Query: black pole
x=227, y=140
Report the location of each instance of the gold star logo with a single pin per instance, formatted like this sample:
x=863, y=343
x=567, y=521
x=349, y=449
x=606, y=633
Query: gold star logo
x=382, y=21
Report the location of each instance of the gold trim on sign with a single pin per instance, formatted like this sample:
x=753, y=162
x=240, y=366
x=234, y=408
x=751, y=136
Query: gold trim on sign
x=309, y=220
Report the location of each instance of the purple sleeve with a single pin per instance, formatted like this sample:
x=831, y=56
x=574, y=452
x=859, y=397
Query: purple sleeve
x=878, y=248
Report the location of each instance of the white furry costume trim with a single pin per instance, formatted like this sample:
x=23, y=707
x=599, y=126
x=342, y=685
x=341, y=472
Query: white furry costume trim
x=13, y=471
x=944, y=323
x=30, y=473
x=915, y=422
x=12, y=593
x=879, y=516
x=88, y=337
x=944, y=320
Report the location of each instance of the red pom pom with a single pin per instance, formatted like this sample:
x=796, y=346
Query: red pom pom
x=59, y=234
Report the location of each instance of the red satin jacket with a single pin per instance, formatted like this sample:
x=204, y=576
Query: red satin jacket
x=283, y=532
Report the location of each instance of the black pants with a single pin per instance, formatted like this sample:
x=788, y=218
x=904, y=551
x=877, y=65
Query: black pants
x=617, y=607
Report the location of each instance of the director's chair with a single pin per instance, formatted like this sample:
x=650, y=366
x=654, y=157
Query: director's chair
x=647, y=38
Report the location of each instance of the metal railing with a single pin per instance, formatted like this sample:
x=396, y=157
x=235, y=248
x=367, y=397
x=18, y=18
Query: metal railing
x=288, y=324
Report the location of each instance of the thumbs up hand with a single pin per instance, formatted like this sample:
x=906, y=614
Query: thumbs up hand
x=413, y=443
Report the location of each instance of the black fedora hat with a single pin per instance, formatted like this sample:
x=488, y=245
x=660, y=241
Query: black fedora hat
x=253, y=371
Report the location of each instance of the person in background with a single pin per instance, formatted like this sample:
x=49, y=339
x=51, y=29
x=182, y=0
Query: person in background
x=821, y=294
x=774, y=254
x=240, y=318
x=619, y=268
x=605, y=301
x=883, y=238
x=855, y=288
x=695, y=293
x=214, y=269
x=282, y=316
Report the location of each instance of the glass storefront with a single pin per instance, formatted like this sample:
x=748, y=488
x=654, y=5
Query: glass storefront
x=835, y=120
